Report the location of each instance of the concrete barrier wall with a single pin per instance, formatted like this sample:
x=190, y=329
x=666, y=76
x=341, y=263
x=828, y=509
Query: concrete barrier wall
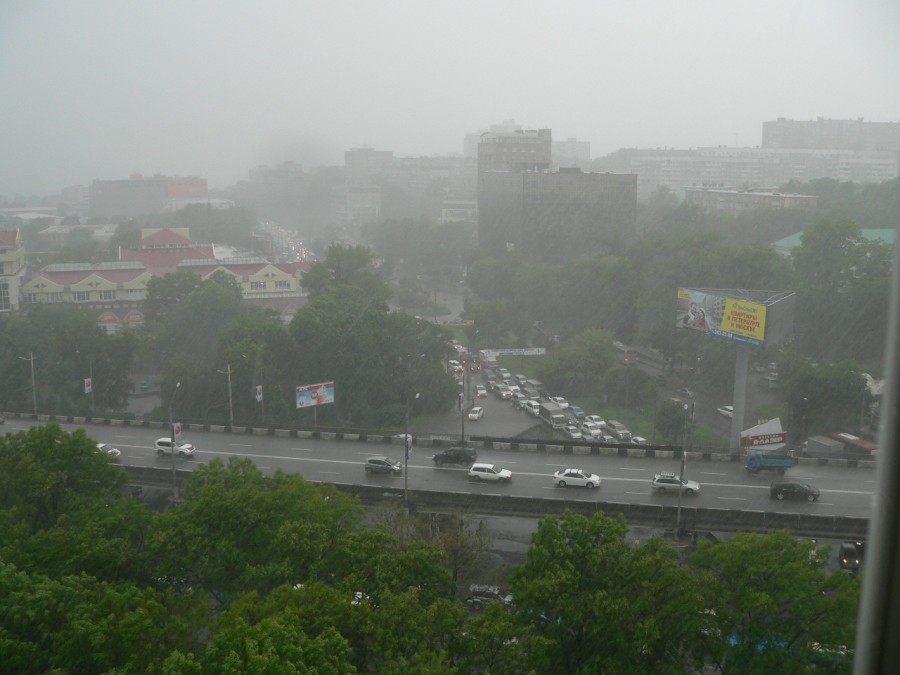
x=648, y=515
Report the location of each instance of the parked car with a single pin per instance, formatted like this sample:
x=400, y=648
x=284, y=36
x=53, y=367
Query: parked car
x=521, y=380
x=109, y=450
x=687, y=392
x=164, y=447
x=560, y=401
x=572, y=432
x=518, y=399
x=726, y=411
x=459, y=454
x=504, y=373
x=481, y=595
x=476, y=413
x=639, y=440
x=480, y=391
x=596, y=419
x=608, y=440
x=619, y=430
x=576, y=478
x=793, y=489
x=503, y=392
x=665, y=481
x=480, y=471
x=577, y=411
x=382, y=464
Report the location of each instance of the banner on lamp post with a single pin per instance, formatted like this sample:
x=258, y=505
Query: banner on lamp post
x=259, y=394
x=88, y=385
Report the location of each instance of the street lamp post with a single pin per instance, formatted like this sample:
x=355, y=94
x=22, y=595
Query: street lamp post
x=681, y=479
x=33, y=389
x=407, y=447
x=172, y=435
x=227, y=372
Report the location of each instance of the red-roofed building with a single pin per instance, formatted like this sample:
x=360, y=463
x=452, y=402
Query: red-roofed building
x=12, y=269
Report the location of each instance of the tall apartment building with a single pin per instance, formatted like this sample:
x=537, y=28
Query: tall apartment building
x=571, y=153
x=364, y=165
x=822, y=134
x=521, y=150
x=555, y=216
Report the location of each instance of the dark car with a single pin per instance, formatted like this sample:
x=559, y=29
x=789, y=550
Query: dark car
x=459, y=455
x=382, y=464
x=793, y=489
x=850, y=557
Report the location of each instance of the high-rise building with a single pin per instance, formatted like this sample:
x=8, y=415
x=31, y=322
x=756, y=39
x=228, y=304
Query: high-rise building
x=822, y=134
x=555, y=216
x=139, y=196
x=520, y=150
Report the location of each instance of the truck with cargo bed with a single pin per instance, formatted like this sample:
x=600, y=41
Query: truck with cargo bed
x=758, y=461
x=553, y=415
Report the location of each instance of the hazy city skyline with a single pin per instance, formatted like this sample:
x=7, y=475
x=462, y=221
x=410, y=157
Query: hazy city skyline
x=101, y=89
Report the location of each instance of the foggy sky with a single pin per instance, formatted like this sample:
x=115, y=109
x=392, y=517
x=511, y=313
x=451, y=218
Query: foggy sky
x=99, y=89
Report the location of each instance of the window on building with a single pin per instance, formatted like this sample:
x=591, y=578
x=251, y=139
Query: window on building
x=81, y=296
x=4, y=296
x=55, y=297
x=107, y=295
x=282, y=285
x=257, y=285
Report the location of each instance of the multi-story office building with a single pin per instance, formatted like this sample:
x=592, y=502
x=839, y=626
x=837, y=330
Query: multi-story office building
x=555, y=216
x=822, y=134
x=737, y=201
x=520, y=150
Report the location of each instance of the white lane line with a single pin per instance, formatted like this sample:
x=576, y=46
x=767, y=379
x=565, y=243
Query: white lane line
x=711, y=473
x=625, y=468
x=240, y=445
x=304, y=449
x=733, y=499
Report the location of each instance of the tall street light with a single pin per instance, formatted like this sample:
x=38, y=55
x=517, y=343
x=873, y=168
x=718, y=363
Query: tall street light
x=407, y=445
x=227, y=371
x=688, y=415
x=172, y=434
x=33, y=389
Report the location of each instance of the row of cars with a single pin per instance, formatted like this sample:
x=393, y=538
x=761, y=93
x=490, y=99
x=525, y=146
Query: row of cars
x=661, y=483
x=163, y=446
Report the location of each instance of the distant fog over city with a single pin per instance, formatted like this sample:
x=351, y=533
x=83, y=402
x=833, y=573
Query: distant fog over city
x=101, y=89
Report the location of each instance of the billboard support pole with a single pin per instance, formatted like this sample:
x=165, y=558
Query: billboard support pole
x=741, y=366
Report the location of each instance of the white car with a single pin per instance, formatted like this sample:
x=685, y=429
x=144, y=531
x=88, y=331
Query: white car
x=577, y=478
x=560, y=401
x=480, y=391
x=532, y=406
x=164, y=447
x=663, y=482
x=726, y=411
x=591, y=431
x=480, y=471
x=476, y=413
x=596, y=419
x=639, y=440
x=109, y=450
x=571, y=431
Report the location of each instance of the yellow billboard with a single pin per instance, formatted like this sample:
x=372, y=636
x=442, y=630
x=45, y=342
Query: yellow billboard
x=722, y=316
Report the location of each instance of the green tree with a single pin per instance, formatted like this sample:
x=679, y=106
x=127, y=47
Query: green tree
x=347, y=266
x=673, y=422
x=579, y=364
x=601, y=602
x=238, y=530
x=46, y=473
x=769, y=602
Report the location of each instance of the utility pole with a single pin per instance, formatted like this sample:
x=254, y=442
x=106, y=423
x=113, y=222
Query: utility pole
x=227, y=371
x=688, y=415
x=172, y=434
x=33, y=389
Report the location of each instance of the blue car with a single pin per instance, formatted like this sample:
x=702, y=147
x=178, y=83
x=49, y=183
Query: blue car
x=575, y=410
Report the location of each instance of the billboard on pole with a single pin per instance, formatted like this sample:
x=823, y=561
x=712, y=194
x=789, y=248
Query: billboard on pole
x=315, y=394
x=722, y=316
